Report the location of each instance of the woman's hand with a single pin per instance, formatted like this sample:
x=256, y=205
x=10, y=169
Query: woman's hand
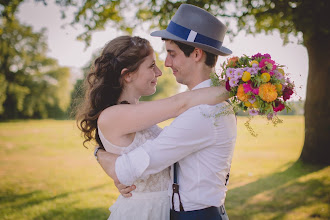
x=125, y=190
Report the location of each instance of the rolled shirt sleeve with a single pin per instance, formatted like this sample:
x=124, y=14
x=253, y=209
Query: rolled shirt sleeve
x=188, y=133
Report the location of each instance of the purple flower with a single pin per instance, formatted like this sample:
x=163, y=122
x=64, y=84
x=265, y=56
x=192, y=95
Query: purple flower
x=233, y=82
x=230, y=72
x=252, y=99
x=278, y=75
x=254, y=70
x=255, y=65
x=253, y=112
x=238, y=73
x=270, y=116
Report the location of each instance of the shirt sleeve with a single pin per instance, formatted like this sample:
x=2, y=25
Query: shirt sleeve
x=190, y=132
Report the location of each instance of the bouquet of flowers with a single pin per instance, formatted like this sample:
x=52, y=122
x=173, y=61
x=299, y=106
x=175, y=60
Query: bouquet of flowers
x=258, y=85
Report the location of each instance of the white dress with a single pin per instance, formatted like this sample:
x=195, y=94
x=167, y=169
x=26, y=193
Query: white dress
x=150, y=199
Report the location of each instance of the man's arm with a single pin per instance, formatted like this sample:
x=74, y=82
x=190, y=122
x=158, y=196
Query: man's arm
x=190, y=132
x=107, y=162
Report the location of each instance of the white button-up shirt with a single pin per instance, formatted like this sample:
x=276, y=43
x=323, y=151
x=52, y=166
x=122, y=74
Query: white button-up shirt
x=202, y=140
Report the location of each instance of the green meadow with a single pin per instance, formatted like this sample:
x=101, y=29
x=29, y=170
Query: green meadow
x=46, y=173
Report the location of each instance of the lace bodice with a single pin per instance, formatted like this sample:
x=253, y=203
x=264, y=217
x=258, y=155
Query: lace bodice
x=152, y=183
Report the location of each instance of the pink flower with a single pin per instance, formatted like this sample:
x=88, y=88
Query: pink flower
x=255, y=56
x=227, y=85
x=267, y=56
x=255, y=91
x=247, y=87
x=279, y=106
x=287, y=92
x=267, y=64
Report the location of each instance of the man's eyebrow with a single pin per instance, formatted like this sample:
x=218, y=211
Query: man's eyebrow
x=169, y=51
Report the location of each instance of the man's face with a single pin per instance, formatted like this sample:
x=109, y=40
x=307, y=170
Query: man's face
x=181, y=65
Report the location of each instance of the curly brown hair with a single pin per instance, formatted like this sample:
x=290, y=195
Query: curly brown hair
x=104, y=83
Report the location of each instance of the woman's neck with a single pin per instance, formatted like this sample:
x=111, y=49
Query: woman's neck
x=130, y=97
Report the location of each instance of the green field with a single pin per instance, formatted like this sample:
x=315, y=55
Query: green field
x=46, y=173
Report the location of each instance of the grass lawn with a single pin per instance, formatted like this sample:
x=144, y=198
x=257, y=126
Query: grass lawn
x=46, y=173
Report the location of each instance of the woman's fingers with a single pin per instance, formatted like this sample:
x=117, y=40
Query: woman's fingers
x=125, y=190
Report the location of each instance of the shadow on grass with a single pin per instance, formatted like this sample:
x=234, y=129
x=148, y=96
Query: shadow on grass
x=9, y=200
x=70, y=213
x=274, y=196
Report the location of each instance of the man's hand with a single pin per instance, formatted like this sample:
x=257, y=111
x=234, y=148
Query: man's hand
x=107, y=161
x=125, y=190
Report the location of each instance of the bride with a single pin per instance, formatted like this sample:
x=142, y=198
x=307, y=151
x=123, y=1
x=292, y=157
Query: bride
x=112, y=115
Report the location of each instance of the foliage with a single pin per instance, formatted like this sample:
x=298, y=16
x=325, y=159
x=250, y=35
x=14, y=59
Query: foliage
x=33, y=85
x=254, y=16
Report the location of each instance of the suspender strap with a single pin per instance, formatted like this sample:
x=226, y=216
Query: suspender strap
x=175, y=188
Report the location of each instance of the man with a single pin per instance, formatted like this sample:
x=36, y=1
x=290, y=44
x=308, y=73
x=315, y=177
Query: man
x=199, y=141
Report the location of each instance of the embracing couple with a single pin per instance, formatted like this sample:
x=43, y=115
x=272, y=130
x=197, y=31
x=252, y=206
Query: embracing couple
x=180, y=172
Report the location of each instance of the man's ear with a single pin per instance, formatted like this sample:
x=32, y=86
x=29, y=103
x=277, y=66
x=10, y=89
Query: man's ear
x=198, y=54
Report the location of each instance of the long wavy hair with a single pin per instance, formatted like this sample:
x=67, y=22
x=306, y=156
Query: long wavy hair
x=104, y=83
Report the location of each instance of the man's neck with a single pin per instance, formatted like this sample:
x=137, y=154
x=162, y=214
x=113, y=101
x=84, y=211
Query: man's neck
x=199, y=78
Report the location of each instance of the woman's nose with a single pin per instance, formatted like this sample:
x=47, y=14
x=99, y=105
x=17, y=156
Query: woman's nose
x=158, y=72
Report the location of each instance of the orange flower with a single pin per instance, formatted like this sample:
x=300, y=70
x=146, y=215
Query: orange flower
x=241, y=95
x=267, y=92
x=232, y=62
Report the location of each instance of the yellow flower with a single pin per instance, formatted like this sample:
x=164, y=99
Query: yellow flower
x=246, y=76
x=241, y=95
x=248, y=104
x=254, y=62
x=256, y=104
x=267, y=92
x=265, y=77
x=279, y=88
x=281, y=71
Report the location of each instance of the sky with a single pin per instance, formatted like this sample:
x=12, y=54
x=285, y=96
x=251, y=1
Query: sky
x=70, y=52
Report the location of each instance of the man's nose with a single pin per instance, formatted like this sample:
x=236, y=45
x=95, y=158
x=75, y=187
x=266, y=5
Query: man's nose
x=168, y=62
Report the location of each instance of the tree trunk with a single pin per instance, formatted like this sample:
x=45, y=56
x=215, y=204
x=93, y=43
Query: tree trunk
x=317, y=115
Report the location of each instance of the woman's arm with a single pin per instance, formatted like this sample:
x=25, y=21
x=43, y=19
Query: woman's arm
x=125, y=119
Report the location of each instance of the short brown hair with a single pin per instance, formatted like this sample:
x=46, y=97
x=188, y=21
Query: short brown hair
x=210, y=60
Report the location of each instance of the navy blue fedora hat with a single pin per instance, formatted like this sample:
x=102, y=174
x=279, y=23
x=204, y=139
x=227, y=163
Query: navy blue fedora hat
x=194, y=26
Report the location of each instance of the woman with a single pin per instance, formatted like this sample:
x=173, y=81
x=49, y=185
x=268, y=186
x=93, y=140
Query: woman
x=113, y=116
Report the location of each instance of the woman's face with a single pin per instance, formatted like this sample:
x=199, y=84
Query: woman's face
x=145, y=78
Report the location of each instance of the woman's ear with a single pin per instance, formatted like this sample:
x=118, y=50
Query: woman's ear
x=127, y=76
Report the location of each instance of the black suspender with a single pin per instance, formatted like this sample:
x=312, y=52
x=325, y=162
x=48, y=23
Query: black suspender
x=175, y=188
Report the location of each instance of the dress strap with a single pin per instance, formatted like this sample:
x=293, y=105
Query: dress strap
x=175, y=187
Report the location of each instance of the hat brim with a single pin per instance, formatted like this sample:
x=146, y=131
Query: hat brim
x=223, y=51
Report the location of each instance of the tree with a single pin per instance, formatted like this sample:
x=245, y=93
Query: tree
x=32, y=85
x=305, y=19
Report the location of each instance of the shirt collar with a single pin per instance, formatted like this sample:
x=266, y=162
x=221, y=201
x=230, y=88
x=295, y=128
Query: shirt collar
x=206, y=83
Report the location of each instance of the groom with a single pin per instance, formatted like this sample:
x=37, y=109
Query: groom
x=201, y=143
